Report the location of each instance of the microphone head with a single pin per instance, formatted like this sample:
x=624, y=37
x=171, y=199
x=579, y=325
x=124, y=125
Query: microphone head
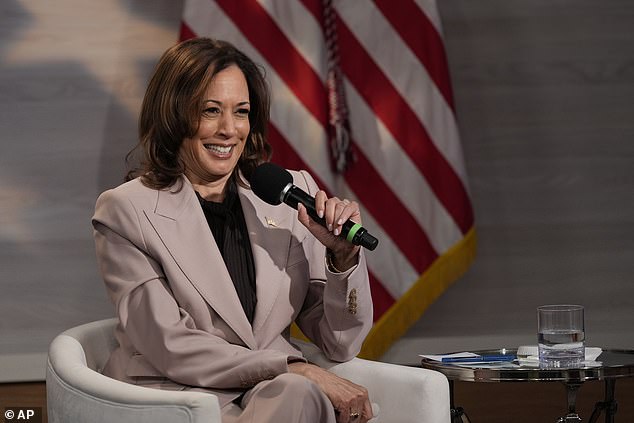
x=268, y=181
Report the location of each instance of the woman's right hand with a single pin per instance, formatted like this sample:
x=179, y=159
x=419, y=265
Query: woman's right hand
x=351, y=401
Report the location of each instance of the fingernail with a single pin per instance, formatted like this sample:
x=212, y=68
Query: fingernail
x=329, y=227
x=340, y=222
x=320, y=213
x=336, y=232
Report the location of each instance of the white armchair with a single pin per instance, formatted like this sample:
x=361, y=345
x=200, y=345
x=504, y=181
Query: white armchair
x=78, y=392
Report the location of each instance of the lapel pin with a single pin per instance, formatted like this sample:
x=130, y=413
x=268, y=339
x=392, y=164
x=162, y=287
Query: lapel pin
x=271, y=222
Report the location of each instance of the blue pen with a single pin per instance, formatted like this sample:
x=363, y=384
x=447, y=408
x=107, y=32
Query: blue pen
x=478, y=359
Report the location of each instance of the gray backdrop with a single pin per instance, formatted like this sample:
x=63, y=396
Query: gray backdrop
x=545, y=102
x=544, y=92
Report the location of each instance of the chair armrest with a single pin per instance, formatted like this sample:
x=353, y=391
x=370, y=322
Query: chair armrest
x=403, y=394
x=77, y=393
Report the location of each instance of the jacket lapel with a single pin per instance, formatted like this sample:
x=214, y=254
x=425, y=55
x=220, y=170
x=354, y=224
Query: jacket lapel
x=180, y=223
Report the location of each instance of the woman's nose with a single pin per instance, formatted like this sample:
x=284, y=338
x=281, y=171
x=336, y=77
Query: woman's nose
x=227, y=125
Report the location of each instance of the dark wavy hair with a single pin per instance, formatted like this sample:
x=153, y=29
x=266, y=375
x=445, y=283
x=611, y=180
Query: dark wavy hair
x=173, y=106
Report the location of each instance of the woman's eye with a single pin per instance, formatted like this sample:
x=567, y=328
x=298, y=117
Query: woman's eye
x=212, y=110
x=243, y=112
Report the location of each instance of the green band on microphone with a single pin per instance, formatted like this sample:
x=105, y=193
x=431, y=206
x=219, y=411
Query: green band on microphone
x=353, y=232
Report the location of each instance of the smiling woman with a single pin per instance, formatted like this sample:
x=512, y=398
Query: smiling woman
x=205, y=286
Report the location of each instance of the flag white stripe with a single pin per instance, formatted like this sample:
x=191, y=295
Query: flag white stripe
x=302, y=30
x=401, y=174
x=198, y=14
x=392, y=55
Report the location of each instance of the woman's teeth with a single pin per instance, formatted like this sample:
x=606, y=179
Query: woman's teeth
x=220, y=149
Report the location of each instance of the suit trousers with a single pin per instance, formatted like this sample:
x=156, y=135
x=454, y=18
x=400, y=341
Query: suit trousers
x=287, y=398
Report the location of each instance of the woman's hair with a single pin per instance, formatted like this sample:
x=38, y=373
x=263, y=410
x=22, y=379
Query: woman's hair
x=173, y=106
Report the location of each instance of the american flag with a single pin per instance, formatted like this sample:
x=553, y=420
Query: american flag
x=376, y=70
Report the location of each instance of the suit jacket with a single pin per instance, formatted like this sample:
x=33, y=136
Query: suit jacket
x=181, y=322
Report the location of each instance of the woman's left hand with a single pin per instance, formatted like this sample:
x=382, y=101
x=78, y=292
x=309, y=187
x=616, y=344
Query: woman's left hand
x=335, y=212
x=351, y=401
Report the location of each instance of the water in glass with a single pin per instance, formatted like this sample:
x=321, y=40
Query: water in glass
x=561, y=348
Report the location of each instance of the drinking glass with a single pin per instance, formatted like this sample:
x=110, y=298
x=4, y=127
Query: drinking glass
x=561, y=336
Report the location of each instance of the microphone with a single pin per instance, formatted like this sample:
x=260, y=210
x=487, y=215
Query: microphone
x=274, y=185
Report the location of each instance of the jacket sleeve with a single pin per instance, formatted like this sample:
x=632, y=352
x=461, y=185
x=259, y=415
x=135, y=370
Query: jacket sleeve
x=337, y=312
x=160, y=331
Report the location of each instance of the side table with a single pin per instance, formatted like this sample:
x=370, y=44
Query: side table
x=610, y=366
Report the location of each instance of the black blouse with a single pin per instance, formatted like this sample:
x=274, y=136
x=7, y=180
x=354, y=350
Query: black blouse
x=229, y=229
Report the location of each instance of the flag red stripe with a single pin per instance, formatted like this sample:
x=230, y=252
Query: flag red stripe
x=386, y=208
x=284, y=154
x=186, y=32
x=418, y=32
x=381, y=299
x=263, y=33
x=389, y=106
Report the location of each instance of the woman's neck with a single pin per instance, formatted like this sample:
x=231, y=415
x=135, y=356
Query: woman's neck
x=210, y=190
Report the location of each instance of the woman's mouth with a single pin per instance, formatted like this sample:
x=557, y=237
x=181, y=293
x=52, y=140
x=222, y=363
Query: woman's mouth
x=220, y=150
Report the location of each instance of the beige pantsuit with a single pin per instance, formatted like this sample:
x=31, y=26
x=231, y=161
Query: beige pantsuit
x=181, y=322
x=286, y=398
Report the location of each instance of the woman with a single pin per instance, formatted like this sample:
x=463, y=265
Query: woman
x=206, y=278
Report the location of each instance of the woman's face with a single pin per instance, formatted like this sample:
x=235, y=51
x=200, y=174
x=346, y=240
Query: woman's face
x=213, y=152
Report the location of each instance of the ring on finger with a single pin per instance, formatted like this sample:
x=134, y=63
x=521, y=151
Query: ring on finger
x=354, y=415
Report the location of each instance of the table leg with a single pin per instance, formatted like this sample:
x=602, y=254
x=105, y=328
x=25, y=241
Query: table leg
x=609, y=404
x=571, y=392
x=457, y=413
